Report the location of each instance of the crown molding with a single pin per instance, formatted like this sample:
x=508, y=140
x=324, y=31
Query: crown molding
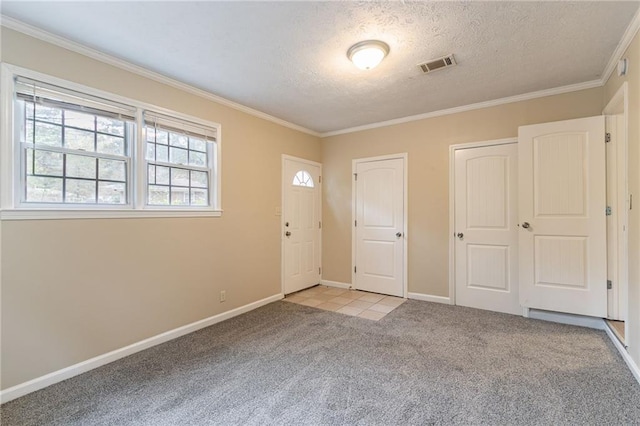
x=622, y=47
x=56, y=40
x=471, y=107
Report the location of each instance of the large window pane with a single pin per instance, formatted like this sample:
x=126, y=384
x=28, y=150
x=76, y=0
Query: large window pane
x=197, y=144
x=111, y=145
x=162, y=153
x=178, y=156
x=111, y=126
x=79, y=139
x=81, y=167
x=47, y=134
x=47, y=163
x=179, y=177
x=181, y=141
x=111, y=170
x=197, y=158
x=179, y=196
x=162, y=175
x=112, y=193
x=199, y=179
x=199, y=197
x=44, y=190
x=51, y=115
x=80, y=120
x=80, y=191
x=158, y=195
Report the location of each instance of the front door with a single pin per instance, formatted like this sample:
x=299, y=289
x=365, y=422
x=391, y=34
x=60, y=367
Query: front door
x=301, y=224
x=563, y=248
x=486, y=228
x=379, y=226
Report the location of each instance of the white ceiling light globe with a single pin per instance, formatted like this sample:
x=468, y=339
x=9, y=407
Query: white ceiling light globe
x=367, y=54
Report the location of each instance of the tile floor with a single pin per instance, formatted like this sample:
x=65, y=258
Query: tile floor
x=356, y=303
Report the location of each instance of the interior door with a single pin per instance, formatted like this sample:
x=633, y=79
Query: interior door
x=379, y=226
x=563, y=251
x=301, y=224
x=486, y=225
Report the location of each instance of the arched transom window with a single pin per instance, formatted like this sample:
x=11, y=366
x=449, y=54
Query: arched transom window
x=303, y=178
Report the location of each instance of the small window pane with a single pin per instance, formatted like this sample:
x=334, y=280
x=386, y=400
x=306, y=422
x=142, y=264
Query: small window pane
x=29, y=160
x=81, y=167
x=79, y=120
x=162, y=175
x=28, y=132
x=48, y=134
x=29, y=109
x=199, y=197
x=197, y=144
x=151, y=134
x=80, y=191
x=158, y=195
x=111, y=126
x=197, y=158
x=179, y=177
x=303, y=178
x=51, y=115
x=111, y=170
x=48, y=163
x=178, y=140
x=151, y=174
x=111, y=145
x=178, y=156
x=199, y=179
x=79, y=139
x=179, y=196
x=44, y=190
x=112, y=193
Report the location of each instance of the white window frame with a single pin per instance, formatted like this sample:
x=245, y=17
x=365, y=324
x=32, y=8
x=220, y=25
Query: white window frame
x=11, y=182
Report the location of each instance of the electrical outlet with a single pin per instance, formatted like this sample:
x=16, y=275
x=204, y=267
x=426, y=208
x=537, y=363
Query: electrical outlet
x=223, y=296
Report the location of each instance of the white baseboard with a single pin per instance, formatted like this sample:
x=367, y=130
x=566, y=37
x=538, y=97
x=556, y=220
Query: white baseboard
x=429, y=298
x=570, y=319
x=625, y=355
x=84, y=366
x=336, y=284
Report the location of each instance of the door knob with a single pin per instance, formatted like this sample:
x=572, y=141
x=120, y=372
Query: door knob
x=398, y=234
x=526, y=225
x=288, y=234
x=460, y=235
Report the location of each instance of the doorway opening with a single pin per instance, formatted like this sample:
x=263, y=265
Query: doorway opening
x=618, y=204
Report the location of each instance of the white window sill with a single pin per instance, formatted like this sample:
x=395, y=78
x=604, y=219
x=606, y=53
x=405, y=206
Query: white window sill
x=52, y=214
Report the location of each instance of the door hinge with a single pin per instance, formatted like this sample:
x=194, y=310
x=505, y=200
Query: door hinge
x=609, y=285
x=608, y=211
x=355, y=269
x=319, y=225
x=355, y=176
x=607, y=137
x=355, y=223
x=319, y=179
x=319, y=271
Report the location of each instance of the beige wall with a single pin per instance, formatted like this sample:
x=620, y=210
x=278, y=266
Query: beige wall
x=612, y=86
x=427, y=142
x=75, y=289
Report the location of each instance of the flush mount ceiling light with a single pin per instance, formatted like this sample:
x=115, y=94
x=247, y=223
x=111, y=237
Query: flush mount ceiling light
x=368, y=54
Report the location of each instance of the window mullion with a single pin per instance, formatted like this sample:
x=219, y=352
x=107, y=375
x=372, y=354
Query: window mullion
x=139, y=164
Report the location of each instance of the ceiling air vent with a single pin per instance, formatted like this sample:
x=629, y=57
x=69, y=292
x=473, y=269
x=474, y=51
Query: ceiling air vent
x=438, y=64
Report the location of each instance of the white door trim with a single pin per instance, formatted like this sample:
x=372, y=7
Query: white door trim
x=282, y=209
x=621, y=98
x=354, y=163
x=452, y=204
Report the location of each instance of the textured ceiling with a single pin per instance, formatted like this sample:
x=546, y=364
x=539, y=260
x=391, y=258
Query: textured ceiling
x=288, y=59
